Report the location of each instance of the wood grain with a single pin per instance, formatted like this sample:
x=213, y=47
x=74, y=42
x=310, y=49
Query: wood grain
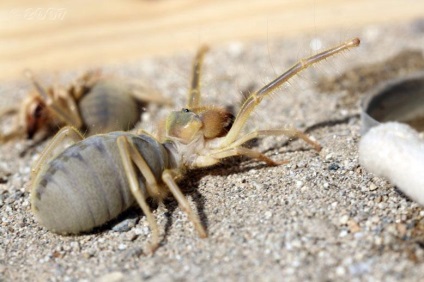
x=65, y=35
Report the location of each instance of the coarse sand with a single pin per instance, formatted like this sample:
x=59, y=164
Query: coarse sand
x=321, y=217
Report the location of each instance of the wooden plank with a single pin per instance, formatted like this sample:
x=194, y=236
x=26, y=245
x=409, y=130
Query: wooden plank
x=65, y=35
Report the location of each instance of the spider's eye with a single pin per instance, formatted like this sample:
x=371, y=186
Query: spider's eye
x=185, y=110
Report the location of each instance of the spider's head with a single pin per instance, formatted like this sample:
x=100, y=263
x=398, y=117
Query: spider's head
x=186, y=125
x=35, y=115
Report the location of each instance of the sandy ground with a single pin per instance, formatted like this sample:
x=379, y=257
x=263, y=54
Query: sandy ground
x=320, y=218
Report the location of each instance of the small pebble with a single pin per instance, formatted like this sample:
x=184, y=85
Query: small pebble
x=344, y=219
x=378, y=199
x=343, y=233
x=333, y=167
x=125, y=225
x=353, y=226
x=372, y=187
x=131, y=236
x=299, y=184
x=268, y=214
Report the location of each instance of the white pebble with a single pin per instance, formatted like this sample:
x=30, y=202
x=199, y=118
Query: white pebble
x=340, y=271
x=344, y=219
x=343, y=233
x=268, y=214
x=122, y=247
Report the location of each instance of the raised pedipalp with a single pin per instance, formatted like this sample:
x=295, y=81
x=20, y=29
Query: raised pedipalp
x=256, y=97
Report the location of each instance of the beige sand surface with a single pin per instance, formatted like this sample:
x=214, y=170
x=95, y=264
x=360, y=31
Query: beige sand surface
x=319, y=218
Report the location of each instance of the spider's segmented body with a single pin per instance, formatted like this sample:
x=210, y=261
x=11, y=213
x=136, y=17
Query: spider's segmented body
x=109, y=107
x=85, y=186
